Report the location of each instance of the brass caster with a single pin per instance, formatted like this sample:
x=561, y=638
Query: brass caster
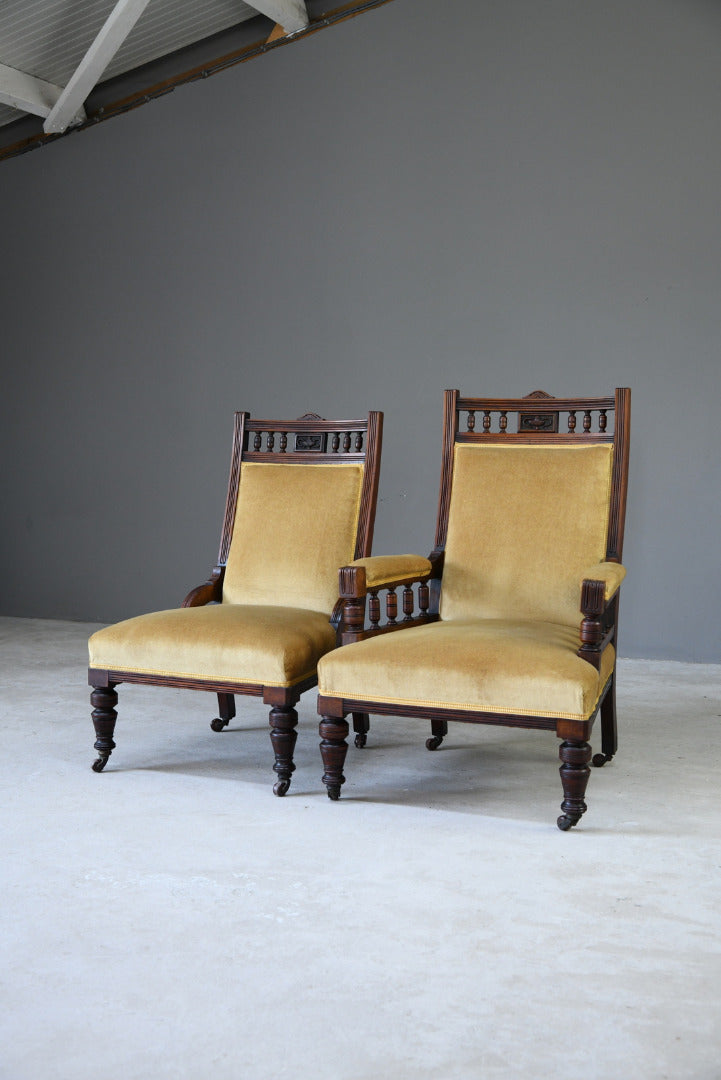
x=599, y=760
x=434, y=742
x=361, y=739
x=334, y=792
x=100, y=764
x=565, y=823
x=280, y=787
x=218, y=724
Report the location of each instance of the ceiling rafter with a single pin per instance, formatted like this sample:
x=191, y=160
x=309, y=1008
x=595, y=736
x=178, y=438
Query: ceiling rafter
x=141, y=72
x=116, y=28
x=291, y=14
x=29, y=93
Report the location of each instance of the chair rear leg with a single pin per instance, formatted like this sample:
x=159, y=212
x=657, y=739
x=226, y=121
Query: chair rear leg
x=361, y=727
x=104, y=699
x=439, y=728
x=226, y=708
x=609, y=729
x=283, y=721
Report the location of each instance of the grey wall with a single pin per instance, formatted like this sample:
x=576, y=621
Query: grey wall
x=499, y=196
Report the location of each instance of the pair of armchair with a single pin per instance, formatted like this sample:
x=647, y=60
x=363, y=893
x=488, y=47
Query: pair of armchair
x=511, y=620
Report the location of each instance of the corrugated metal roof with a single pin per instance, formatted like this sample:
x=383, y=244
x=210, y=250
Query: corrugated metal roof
x=48, y=38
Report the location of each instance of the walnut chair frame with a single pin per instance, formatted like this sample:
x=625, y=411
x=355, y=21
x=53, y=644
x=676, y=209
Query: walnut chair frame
x=604, y=420
x=309, y=440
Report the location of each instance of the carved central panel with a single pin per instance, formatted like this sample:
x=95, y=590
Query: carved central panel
x=538, y=421
x=315, y=443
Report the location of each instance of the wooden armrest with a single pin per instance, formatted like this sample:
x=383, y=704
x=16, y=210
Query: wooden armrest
x=211, y=591
x=599, y=584
x=382, y=571
x=359, y=584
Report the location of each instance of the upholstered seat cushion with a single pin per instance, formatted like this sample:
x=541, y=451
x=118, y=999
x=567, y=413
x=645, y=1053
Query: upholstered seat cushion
x=268, y=645
x=495, y=665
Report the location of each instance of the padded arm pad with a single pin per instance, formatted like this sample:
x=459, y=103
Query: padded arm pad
x=382, y=570
x=610, y=573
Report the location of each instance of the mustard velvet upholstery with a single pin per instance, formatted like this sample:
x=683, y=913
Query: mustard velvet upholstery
x=385, y=569
x=261, y=644
x=524, y=522
x=498, y=665
x=295, y=525
x=611, y=573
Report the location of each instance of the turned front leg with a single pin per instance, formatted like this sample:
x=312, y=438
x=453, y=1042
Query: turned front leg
x=283, y=736
x=104, y=699
x=333, y=749
x=575, y=772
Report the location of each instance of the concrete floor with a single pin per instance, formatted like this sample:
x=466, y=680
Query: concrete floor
x=171, y=918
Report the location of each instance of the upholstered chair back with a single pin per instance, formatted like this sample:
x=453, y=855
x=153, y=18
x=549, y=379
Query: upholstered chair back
x=295, y=525
x=525, y=523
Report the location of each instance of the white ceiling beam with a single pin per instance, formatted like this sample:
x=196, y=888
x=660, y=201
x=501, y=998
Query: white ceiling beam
x=118, y=25
x=291, y=14
x=30, y=94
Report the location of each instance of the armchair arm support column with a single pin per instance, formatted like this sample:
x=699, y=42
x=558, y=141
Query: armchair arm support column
x=211, y=591
x=599, y=588
x=593, y=605
x=437, y=558
x=352, y=589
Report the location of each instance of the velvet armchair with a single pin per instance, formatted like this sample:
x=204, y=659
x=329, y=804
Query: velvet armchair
x=512, y=619
x=301, y=501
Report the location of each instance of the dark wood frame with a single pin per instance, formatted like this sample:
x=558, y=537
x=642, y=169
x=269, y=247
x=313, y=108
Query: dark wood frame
x=268, y=441
x=538, y=423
